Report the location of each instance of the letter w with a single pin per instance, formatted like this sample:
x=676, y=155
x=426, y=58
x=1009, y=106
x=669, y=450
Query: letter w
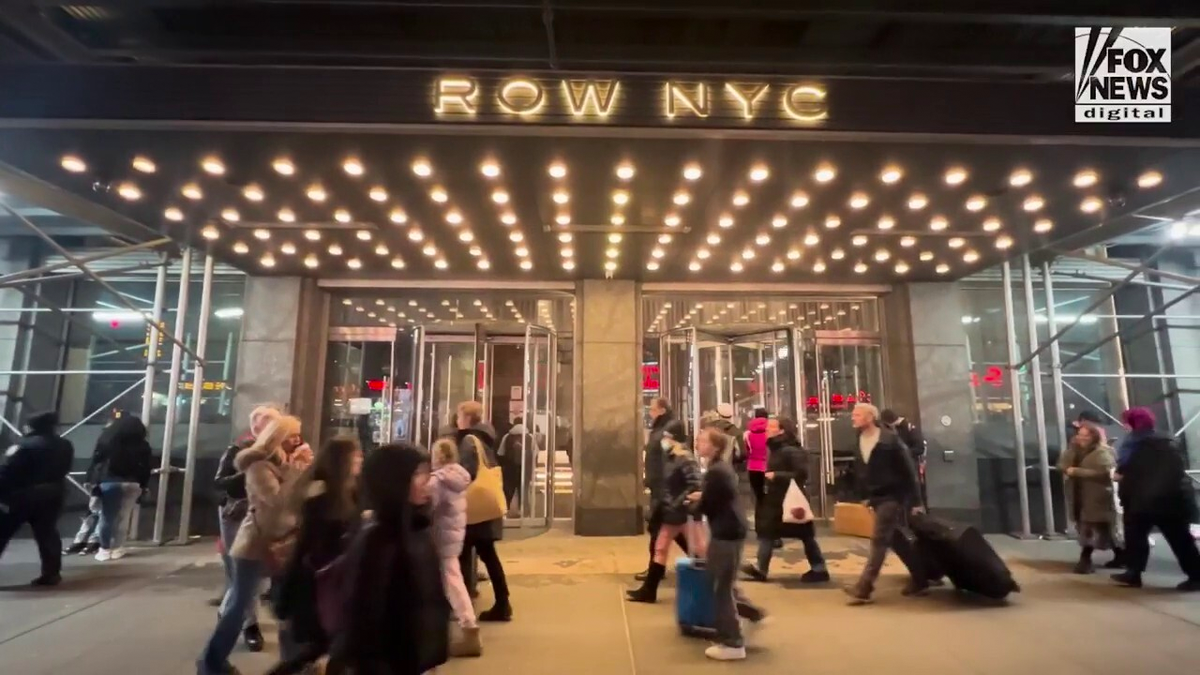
x=596, y=96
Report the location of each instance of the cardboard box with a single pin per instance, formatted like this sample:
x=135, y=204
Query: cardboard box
x=853, y=519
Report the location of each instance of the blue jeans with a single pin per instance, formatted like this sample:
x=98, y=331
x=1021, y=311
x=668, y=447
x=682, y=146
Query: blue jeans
x=117, y=501
x=229, y=530
x=241, y=594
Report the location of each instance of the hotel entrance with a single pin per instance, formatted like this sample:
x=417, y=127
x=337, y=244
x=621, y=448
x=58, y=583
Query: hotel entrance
x=821, y=358
x=388, y=384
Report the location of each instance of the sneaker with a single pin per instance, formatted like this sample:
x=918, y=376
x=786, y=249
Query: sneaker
x=1128, y=579
x=753, y=572
x=253, y=637
x=47, y=580
x=75, y=549
x=815, y=577
x=92, y=548
x=725, y=653
x=857, y=597
x=103, y=555
x=1189, y=586
x=118, y=553
x=500, y=613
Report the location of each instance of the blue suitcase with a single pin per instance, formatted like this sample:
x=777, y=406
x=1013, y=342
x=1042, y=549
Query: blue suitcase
x=693, y=598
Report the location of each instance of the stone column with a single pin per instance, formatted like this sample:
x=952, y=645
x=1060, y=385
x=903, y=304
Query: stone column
x=608, y=408
x=928, y=382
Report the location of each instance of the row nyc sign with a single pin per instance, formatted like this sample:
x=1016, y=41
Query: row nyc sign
x=531, y=99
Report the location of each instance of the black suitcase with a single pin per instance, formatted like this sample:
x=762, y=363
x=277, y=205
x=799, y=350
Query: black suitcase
x=962, y=555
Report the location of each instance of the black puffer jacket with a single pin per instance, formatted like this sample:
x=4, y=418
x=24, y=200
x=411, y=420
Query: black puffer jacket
x=786, y=459
x=682, y=478
x=122, y=454
x=230, y=481
x=1153, y=481
x=41, y=458
x=890, y=475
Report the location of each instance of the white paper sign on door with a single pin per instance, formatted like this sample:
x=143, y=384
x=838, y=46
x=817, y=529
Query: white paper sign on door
x=360, y=406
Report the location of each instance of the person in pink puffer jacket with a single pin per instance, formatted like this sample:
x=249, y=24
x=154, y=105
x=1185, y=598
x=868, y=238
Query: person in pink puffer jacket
x=756, y=453
x=447, y=486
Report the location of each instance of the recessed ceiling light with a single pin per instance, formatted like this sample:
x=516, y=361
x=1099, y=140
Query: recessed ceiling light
x=886, y=222
x=363, y=235
x=210, y=232
x=799, y=199
x=1043, y=225
x=901, y=268
x=812, y=239
x=860, y=267
x=429, y=249
x=353, y=166
x=671, y=220
x=736, y=266
x=819, y=266
x=620, y=197
x=938, y=223
x=859, y=200
x=560, y=197
x=335, y=249
x=454, y=217
x=825, y=173
x=794, y=254
x=956, y=175
x=976, y=203
x=129, y=192
x=73, y=164
x=908, y=242
x=466, y=236
x=240, y=248
x=692, y=171
x=311, y=261
x=779, y=222
x=1149, y=179
x=1003, y=242
x=891, y=174
x=1091, y=205
x=616, y=219
x=144, y=164
x=1020, y=178
x=759, y=173
x=681, y=198
x=192, y=192
x=253, y=192
x=213, y=165
x=517, y=237
x=725, y=221
x=1085, y=178
x=415, y=234
x=342, y=216
x=262, y=234
x=557, y=170
x=267, y=260
x=173, y=213
x=942, y=268
x=740, y=198
x=610, y=266
x=508, y=218
x=312, y=235
x=500, y=197
x=528, y=264
x=1033, y=203
x=703, y=253
x=566, y=252
x=882, y=254
x=286, y=215
x=489, y=168
x=926, y=256
x=438, y=194
x=287, y=248
x=283, y=166
x=713, y=239
x=564, y=237
x=316, y=193
x=231, y=215
x=956, y=242
x=354, y=263
x=615, y=237
x=837, y=254
x=917, y=201
x=521, y=251
x=970, y=256
x=568, y=264
x=991, y=224
x=397, y=263
x=762, y=239
x=748, y=253
x=381, y=249
x=625, y=171
x=398, y=216
x=777, y=266
x=378, y=194
x=563, y=219
x=859, y=240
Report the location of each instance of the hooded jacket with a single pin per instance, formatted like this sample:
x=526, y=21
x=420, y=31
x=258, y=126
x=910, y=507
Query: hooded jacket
x=737, y=443
x=489, y=530
x=756, y=444
x=788, y=462
x=448, y=486
x=271, y=517
x=40, y=458
x=122, y=454
x=1154, y=482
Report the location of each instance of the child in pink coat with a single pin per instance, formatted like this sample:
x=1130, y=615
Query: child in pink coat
x=447, y=485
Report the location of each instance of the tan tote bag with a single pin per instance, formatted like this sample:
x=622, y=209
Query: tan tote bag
x=485, y=494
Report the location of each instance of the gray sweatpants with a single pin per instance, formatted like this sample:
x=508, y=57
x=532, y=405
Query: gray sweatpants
x=724, y=560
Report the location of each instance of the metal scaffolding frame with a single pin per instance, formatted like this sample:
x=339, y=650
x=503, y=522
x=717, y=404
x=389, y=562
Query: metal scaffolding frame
x=1057, y=375
x=155, y=328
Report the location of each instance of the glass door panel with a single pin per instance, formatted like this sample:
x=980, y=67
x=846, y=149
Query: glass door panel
x=448, y=377
x=359, y=386
x=677, y=363
x=539, y=446
x=763, y=374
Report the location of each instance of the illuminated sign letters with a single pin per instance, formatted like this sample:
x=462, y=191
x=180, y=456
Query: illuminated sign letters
x=597, y=99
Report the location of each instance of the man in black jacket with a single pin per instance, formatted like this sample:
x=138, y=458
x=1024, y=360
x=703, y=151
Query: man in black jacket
x=887, y=480
x=662, y=420
x=32, y=491
x=1156, y=492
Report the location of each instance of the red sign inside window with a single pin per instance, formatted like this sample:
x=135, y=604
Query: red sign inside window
x=992, y=377
x=650, y=376
x=376, y=385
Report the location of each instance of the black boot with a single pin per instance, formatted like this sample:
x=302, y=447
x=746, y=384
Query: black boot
x=253, y=637
x=1085, y=566
x=75, y=549
x=1118, y=560
x=648, y=592
x=501, y=612
x=641, y=576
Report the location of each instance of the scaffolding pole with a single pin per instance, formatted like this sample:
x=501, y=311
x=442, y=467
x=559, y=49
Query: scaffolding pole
x=160, y=297
x=165, y=468
x=1010, y=330
x=1117, y=333
x=193, y=436
x=1060, y=406
x=1039, y=406
x=71, y=261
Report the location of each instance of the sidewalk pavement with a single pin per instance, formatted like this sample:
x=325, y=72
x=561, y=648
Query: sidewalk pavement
x=148, y=614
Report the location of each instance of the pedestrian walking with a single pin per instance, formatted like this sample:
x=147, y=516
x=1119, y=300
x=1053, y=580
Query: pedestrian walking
x=1087, y=466
x=32, y=490
x=119, y=474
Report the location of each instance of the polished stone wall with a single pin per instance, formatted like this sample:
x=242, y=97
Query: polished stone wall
x=607, y=412
x=267, y=354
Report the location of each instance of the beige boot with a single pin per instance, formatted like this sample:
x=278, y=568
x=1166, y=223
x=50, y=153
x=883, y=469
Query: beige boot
x=468, y=645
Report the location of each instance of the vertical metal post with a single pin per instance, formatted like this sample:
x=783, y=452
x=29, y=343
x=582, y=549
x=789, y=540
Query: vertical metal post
x=160, y=296
x=193, y=435
x=1060, y=406
x=164, y=477
x=1039, y=405
x=1010, y=330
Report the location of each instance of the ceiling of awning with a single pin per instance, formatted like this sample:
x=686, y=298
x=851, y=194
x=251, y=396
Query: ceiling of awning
x=560, y=208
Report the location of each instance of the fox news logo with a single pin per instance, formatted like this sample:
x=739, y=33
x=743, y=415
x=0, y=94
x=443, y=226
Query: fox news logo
x=1122, y=74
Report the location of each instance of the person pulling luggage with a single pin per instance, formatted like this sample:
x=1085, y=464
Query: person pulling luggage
x=887, y=479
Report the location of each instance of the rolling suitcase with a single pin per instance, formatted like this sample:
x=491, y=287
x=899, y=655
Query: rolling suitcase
x=964, y=556
x=693, y=598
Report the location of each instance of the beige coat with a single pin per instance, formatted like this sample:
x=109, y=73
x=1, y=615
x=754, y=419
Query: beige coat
x=1091, y=484
x=269, y=482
